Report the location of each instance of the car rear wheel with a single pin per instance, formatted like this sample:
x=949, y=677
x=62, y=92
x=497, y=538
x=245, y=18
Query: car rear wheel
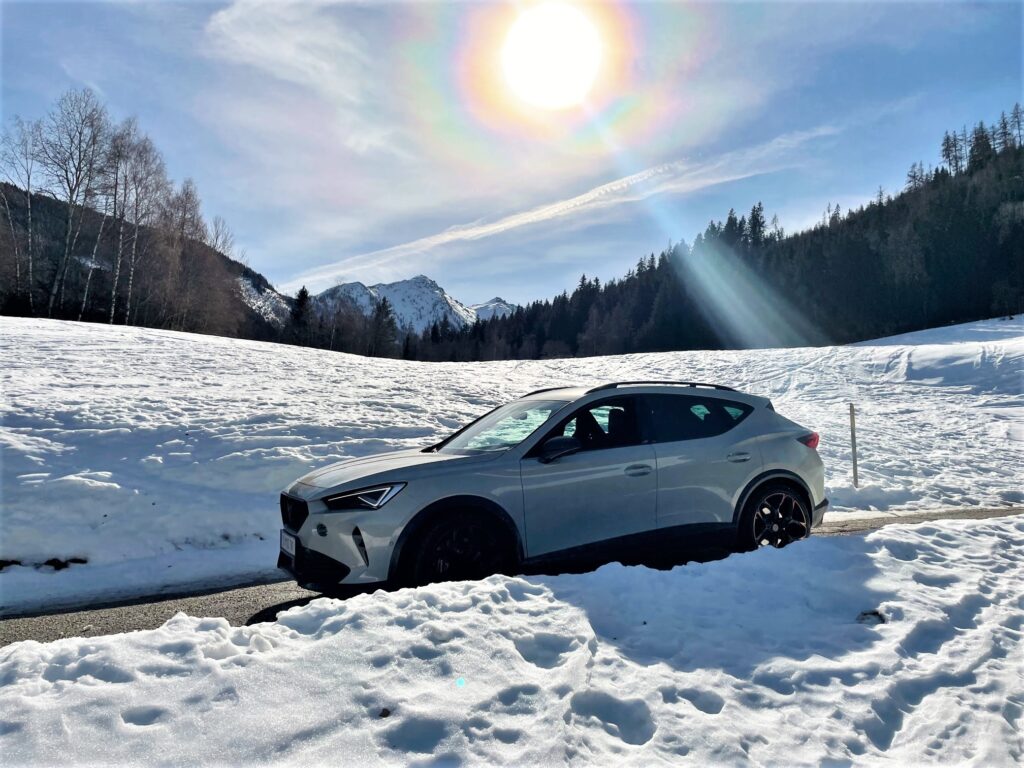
x=775, y=516
x=457, y=547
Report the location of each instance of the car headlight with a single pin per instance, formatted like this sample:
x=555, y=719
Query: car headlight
x=366, y=498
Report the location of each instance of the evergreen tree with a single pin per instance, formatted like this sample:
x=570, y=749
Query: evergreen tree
x=300, y=317
x=383, y=331
x=1003, y=133
x=981, y=148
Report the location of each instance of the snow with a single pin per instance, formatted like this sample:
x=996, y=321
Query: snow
x=158, y=456
x=902, y=647
x=496, y=307
x=417, y=303
x=268, y=304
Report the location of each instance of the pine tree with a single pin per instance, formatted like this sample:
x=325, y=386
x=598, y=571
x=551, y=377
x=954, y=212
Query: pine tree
x=981, y=148
x=948, y=153
x=756, y=225
x=1017, y=121
x=300, y=317
x=383, y=333
x=1003, y=133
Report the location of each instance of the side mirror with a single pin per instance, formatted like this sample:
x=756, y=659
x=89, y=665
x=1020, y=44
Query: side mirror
x=557, y=447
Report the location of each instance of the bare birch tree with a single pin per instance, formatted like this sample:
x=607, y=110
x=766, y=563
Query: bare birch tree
x=122, y=146
x=71, y=140
x=147, y=185
x=19, y=153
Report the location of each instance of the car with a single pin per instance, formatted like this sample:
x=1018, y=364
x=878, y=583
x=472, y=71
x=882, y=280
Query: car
x=560, y=476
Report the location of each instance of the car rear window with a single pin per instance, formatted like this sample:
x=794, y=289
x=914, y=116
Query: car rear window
x=690, y=417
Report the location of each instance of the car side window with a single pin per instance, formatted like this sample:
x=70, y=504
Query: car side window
x=691, y=417
x=613, y=423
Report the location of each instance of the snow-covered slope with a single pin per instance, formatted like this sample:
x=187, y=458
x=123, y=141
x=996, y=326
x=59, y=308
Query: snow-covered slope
x=900, y=648
x=158, y=456
x=267, y=303
x=496, y=307
x=417, y=303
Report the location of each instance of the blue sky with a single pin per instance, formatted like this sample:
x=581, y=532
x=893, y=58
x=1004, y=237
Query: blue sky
x=344, y=141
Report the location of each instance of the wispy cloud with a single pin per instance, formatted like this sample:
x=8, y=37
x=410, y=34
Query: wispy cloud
x=309, y=46
x=674, y=178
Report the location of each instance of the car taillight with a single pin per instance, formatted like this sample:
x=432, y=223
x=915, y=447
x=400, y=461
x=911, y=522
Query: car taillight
x=810, y=440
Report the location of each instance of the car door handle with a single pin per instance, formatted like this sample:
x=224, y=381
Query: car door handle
x=638, y=470
x=739, y=457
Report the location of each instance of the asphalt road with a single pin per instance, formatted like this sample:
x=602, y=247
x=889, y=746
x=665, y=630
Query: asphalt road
x=262, y=602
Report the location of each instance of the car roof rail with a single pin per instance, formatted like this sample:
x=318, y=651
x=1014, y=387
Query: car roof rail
x=617, y=384
x=538, y=391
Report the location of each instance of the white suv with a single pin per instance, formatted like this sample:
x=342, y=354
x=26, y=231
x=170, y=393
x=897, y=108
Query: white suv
x=570, y=475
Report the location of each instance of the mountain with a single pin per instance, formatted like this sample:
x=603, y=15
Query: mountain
x=496, y=307
x=417, y=303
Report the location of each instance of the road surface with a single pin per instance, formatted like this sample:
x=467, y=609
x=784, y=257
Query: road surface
x=262, y=602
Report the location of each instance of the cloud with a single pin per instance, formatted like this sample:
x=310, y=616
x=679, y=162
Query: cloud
x=306, y=45
x=674, y=178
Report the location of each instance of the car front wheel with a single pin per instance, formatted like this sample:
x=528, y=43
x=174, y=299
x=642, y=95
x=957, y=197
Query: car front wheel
x=775, y=516
x=458, y=547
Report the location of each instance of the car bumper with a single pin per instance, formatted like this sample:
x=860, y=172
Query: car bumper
x=312, y=569
x=818, y=514
x=337, y=548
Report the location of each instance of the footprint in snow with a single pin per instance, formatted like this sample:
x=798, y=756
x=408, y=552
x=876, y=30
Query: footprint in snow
x=142, y=716
x=628, y=719
x=543, y=649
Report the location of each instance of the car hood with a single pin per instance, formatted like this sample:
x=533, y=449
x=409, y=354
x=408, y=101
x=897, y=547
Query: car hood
x=367, y=467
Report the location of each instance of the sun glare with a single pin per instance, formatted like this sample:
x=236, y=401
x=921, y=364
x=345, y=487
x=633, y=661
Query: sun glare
x=551, y=56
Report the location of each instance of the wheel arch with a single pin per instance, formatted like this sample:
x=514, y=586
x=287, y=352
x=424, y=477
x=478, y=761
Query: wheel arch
x=436, y=509
x=772, y=475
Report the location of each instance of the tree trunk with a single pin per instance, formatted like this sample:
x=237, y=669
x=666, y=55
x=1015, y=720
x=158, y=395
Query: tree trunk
x=117, y=270
x=67, y=261
x=131, y=274
x=63, y=263
x=31, y=283
x=92, y=264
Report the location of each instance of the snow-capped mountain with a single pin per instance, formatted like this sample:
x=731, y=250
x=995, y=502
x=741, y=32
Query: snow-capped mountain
x=417, y=303
x=496, y=307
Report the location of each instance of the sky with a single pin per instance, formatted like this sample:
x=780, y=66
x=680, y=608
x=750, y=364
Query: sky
x=376, y=141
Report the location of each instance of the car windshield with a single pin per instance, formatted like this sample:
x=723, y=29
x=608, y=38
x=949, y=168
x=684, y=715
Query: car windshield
x=503, y=428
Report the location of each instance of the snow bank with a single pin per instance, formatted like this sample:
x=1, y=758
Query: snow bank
x=158, y=456
x=903, y=645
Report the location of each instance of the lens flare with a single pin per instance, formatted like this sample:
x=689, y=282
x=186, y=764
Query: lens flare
x=551, y=56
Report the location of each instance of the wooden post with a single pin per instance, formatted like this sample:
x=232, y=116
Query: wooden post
x=853, y=443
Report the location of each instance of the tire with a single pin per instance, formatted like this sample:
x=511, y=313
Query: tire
x=458, y=546
x=776, y=515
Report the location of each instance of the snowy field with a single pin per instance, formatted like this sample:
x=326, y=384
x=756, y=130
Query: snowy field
x=156, y=457
x=903, y=647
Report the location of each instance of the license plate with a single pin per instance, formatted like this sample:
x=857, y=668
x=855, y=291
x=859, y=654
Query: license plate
x=287, y=543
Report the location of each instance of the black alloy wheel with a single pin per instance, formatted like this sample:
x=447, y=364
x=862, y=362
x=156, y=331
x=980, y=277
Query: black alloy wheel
x=459, y=547
x=776, y=517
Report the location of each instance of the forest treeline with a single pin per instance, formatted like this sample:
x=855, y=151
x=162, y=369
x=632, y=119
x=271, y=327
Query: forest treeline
x=93, y=229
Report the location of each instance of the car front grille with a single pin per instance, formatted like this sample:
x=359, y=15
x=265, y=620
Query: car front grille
x=293, y=512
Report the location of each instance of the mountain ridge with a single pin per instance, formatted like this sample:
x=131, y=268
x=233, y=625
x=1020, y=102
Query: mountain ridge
x=417, y=303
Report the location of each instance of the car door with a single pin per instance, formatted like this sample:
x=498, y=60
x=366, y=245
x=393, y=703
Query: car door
x=606, y=490
x=705, y=451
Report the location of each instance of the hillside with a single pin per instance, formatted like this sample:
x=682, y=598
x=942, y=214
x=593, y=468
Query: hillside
x=187, y=285
x=158, y=456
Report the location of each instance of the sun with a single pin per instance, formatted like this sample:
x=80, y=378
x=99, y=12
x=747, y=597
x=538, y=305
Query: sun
x=551, y=56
